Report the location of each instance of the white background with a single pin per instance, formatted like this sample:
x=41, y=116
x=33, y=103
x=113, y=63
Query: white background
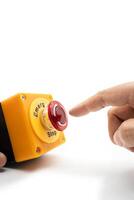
x=70, y=49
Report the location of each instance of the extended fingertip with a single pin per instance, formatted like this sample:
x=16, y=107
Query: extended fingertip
x=72, y=112
x=3, y=159
x=76, y=112
x=79, y=110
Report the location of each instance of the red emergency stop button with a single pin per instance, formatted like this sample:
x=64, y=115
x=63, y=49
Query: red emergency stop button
x=57, y=115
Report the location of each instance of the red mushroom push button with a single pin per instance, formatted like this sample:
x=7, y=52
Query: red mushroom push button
x=48, y=119
x=54, y=116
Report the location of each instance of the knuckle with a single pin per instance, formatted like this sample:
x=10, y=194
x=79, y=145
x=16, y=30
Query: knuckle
x=101, y=95
x=110, y=112
x=126, y=133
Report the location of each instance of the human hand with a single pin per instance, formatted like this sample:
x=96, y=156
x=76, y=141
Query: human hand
x=120, y=116
x=3, y=159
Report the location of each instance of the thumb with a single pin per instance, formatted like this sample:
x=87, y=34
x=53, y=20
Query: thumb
x=3, y=159
x=124, y=135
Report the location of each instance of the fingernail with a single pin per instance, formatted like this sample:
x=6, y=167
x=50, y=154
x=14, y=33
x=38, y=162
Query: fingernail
x=71, y=111
x=117, y=139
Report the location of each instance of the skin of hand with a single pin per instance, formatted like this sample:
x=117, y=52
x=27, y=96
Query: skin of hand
x=3, y=159
x=120, y=116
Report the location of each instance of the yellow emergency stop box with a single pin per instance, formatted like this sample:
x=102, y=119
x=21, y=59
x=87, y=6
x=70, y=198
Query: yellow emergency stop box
x=30, y=125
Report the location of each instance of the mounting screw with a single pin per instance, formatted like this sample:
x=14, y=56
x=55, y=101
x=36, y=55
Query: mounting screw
x=38, y=150
x=23, y=97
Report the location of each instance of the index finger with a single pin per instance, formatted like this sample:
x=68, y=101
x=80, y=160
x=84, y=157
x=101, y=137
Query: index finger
x=116, y=96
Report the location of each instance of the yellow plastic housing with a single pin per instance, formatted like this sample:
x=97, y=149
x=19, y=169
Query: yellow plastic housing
x=29, y=138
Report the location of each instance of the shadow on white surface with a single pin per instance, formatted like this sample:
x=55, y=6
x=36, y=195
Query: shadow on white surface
x=116, y=179
x=118, y=185
x=16, y=172
x=35, y=164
